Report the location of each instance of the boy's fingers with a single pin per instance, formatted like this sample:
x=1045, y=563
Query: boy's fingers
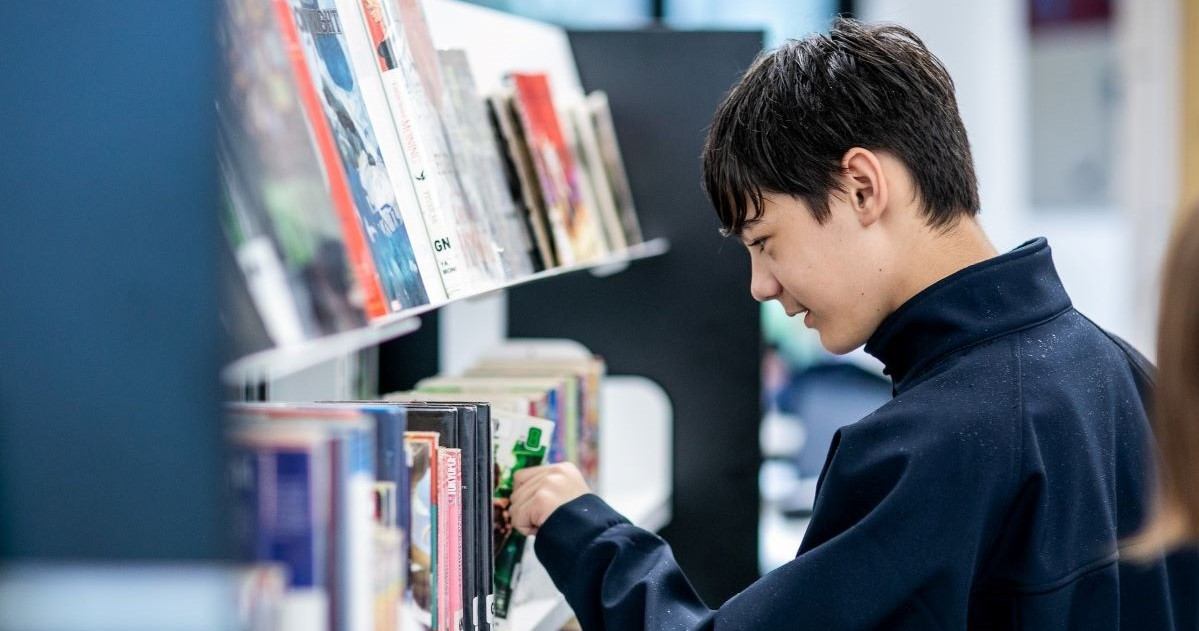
x=524, y=475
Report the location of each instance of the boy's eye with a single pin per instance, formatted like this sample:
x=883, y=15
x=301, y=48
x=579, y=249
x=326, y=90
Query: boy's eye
x=759, y=243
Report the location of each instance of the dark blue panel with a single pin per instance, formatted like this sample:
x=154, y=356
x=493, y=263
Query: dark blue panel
x=110, y=442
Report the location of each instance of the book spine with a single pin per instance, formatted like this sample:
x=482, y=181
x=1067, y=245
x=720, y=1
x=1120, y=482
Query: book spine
x=445, y=539
x=343, y=201
x=454, y=488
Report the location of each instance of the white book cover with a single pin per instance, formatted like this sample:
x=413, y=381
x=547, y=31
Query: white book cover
x=479, y=165
x=370, y=83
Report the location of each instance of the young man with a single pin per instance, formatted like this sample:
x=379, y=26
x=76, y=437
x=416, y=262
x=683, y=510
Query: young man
x=994, y=489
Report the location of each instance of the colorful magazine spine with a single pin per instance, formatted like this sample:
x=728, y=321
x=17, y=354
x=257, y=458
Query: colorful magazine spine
x=479, y=165
x=389, y=558
x=522, y=177
x=343, y=200
x=281, y=512
x=605, y=129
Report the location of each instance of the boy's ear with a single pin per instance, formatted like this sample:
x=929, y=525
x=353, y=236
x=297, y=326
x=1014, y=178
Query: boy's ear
x=865, y=185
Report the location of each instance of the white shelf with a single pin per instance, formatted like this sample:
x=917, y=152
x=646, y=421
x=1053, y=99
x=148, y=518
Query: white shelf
x=281, y=361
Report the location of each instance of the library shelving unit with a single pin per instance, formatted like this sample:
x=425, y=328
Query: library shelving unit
x=635, y=411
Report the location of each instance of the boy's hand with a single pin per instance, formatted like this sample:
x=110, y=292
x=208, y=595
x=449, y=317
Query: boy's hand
x=539, y=491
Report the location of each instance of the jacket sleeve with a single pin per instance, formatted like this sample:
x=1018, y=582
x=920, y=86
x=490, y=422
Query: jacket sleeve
x=901, y=523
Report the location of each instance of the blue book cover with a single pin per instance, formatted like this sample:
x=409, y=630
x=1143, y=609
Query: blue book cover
x=324, y=44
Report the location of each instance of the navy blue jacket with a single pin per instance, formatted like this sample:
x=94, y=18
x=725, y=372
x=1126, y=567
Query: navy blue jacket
x=991, y=492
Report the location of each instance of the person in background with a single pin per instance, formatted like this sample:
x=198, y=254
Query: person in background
x=994, y=489
x=1175, y=521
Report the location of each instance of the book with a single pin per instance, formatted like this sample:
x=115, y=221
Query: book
x=576, y=230
x=364, y=197
x=522, y=177
x=583, y=377
x=463, y=426
x=450, y=551
x=280, y=511
x=416, y=93
x=605, y=129
x=278, y=215
x=349, y=437
x=585, y=143
x=362, y=57
x=518, y=442
x=479, y=166
x=422, y=610
x=390, y=558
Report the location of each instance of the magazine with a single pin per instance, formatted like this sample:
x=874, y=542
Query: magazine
x=278, y=217
x=518, y=442
x=363, y=191
x=605, y=129
x=577, y=234
x=416, y=92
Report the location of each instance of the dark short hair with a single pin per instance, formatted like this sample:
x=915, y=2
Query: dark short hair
x=788, y=122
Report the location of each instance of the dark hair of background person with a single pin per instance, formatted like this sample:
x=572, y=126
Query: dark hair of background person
x=788, y=122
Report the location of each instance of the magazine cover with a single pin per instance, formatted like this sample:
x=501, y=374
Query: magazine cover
x=416, y=92
x=522, y=177
x=577, y=233
x=312, y=29
x=591, y=165
x=479, y=166
x=278, y=217
x=378, y=108
x=605, y=129
x=422, y=611
x=518, y=442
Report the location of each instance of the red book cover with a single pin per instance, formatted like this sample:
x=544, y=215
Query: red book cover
x=576, y=232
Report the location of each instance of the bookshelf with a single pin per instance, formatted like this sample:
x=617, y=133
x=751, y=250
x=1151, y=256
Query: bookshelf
x=636, y=411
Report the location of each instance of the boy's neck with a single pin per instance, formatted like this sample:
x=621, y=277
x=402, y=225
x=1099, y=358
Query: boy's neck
x=936, y=254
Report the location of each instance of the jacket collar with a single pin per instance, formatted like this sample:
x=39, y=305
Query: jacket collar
x=1003, y=294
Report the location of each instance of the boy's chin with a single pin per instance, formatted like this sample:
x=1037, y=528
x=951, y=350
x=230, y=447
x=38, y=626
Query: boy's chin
x=837, y=342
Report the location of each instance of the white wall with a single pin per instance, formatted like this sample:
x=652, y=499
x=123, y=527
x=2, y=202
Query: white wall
x=1108, y=258
x=984, y=46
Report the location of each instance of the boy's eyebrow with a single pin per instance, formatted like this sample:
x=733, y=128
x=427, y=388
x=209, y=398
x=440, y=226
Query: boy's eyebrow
x=748, y=225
